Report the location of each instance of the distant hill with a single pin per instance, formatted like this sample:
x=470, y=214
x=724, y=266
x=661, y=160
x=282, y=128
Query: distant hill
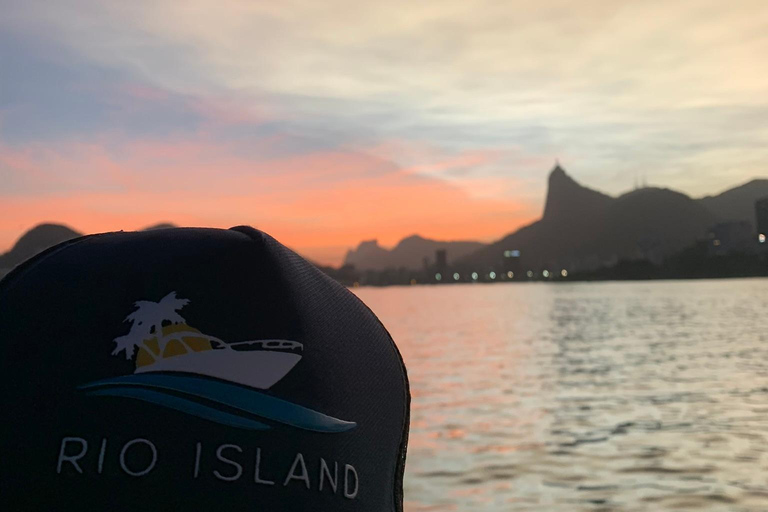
x=583, y=229
x=409, y=253
x=42, y=237
x=162, y=225
x=737, y=203
x=566, y=197
x=34, y=241
x=580, y=229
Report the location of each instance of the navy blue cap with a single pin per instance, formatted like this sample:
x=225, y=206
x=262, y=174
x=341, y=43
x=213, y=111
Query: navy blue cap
x=194, y=370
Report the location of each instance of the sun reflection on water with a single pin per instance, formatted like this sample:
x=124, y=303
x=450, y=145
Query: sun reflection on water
x=610, y=396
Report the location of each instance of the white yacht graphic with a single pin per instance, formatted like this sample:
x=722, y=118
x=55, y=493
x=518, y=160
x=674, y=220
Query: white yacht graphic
x=161, y=341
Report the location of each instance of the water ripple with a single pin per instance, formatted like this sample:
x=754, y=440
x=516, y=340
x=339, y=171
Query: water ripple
x=584, y=397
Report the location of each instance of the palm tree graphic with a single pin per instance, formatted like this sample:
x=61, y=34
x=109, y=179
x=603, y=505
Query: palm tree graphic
x=147, y=322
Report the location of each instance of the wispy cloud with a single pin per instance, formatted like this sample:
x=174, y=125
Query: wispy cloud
x=319, y=203
x=476, y=97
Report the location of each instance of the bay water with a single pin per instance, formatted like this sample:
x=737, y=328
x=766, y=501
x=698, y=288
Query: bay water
x=627, y=396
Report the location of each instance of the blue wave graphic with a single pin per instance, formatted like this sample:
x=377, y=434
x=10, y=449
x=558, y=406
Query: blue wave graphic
x=183, y=405
x=155, y=387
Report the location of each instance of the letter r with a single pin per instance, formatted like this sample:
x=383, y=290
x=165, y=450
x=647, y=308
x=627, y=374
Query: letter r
x=63, y=457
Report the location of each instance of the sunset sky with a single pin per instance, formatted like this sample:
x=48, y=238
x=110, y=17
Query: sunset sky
x=327, y=123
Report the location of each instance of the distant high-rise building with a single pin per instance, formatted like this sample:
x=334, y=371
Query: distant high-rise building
x=761, y=212
x=511, y=262
x=441, y=259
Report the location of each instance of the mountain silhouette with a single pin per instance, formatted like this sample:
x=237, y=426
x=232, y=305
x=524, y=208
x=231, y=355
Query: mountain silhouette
x=410, y=253
x=737, y=203
x=565, y=198
x=583, y=229
x=35, y=240
x=162, y=225
x=580, y=229
x=42, y=237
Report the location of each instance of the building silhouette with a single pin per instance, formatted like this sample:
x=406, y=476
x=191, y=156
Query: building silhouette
x=730, y=237
x=441, y=260
x=511, y=263
x=761, y=214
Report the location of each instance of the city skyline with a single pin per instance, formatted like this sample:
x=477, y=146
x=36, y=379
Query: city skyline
x=327, y=125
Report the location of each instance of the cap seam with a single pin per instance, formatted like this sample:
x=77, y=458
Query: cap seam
x=405, y=425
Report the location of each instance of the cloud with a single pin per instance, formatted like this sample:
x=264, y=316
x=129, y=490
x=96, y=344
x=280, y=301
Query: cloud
x=319, y=203
x=302, y=101
x=558, y=78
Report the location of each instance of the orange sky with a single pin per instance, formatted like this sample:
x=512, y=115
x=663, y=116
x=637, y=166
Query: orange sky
x=320, y=203
x=327, y=123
